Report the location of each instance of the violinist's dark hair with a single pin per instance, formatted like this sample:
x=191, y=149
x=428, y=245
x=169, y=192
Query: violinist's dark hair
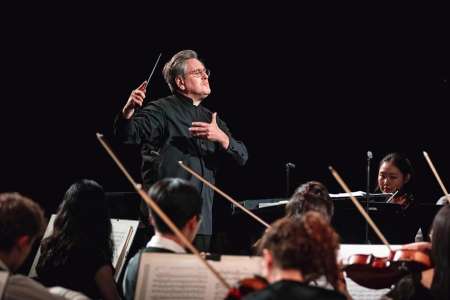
x=178, y=198
x=440, y=249
x=307, y=243
x=404, y=165
x=82, y=221
x=312, y=195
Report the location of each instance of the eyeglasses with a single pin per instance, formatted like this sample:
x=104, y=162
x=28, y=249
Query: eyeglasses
x=199, y=73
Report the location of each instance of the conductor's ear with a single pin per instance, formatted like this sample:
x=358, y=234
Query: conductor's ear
x=180, y=83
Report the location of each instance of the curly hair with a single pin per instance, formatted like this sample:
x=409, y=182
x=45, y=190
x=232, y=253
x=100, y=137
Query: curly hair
x=307, y=243
x=312, y=195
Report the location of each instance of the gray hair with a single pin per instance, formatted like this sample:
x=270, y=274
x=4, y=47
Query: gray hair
x=176, y=66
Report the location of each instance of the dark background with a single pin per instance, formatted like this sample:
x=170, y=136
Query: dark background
x=315, y=86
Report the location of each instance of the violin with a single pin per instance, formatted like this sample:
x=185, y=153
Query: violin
x=382, y=272
x=402, y=199
x=246, y=286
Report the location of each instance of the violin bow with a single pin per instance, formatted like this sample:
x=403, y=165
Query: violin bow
x=154, y=206
x=438, y=178
x=360, y=208
x=223, y=194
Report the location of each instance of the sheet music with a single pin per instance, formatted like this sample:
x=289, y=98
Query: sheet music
x=183, y=276
x=121, y=230
x=268, y=204
x=48, y=232
x=342, y=195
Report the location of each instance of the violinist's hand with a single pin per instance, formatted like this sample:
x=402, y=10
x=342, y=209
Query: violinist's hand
x=341, y=283
x=135, y=100
x=210, y=131
x=420, y=246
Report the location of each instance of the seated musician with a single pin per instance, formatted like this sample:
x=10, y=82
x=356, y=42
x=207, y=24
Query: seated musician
x=432, y=283
x=78, y=254
x=395, y=175
x=182, y=203
x=297, y=251
x=312, y=195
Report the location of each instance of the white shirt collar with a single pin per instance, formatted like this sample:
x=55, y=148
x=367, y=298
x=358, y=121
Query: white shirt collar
x=3, y=266
x=160, y=241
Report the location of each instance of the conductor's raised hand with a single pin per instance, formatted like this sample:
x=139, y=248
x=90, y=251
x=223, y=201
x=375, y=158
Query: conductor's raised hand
x=210, y=131
x=135, y=100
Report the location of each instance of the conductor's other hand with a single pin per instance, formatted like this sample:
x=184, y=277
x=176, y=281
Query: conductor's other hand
x=135, y=100
x=210, y=131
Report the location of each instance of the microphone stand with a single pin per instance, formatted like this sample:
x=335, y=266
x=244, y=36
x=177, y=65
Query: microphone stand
x=369, y=157
x=289, y=166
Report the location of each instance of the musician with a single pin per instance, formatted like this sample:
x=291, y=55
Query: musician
x=22, y=222
x=179, y=128
x=79, y=253
x=395, y=175
x=432, y=283
x=312, y=195
x=182, y=203
x=295, y=252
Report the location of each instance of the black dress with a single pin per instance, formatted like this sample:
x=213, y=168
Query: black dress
x=288, y=289
x=77, y=272
x=409, y=288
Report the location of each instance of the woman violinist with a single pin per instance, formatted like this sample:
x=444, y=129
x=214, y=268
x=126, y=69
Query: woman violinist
x=432, y=283
x=297, y=251
x=395, y=176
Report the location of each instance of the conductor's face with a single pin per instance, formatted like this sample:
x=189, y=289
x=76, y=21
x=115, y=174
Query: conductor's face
x=194, y=82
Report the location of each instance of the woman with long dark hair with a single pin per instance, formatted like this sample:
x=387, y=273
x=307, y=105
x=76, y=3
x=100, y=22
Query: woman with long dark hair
x=432, y=283
x=79, y=252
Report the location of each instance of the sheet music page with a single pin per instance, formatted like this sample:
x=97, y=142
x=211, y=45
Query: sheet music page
x=355, y=194
x=48, y=232
x=261, y=205
x=120, y=231
x=183, y=276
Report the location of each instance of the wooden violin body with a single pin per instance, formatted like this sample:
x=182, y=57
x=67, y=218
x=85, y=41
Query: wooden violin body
x=246, y=286
x=382, y=272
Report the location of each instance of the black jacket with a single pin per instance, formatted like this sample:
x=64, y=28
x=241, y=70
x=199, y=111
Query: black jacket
x=162, y=128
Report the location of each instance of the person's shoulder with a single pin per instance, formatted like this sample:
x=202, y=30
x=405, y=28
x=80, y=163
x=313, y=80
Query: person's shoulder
x=157, y=250
x=443, y=200
x=286, y=289
x=135, y=259
x=160, y=102
x=26, y=287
